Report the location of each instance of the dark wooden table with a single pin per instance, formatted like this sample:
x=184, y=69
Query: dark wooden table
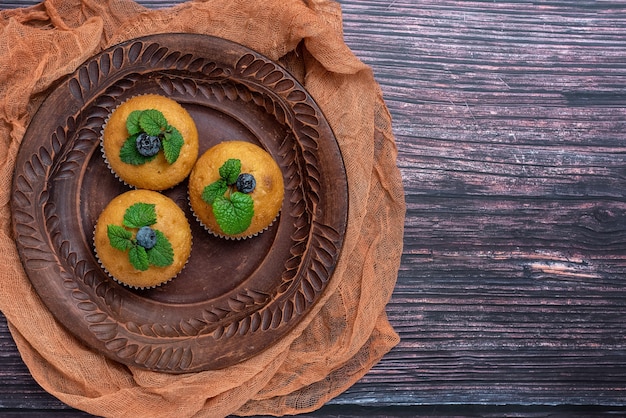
x=510, y=119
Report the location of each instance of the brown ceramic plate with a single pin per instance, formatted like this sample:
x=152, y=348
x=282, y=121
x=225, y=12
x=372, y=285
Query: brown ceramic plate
x=234, y=299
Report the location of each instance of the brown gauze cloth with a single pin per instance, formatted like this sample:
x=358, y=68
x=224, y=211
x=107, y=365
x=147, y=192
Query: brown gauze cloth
x=346, y=332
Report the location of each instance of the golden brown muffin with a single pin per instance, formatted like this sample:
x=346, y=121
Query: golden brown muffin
x=166, y=218
x=158, y=173
x=267, y=194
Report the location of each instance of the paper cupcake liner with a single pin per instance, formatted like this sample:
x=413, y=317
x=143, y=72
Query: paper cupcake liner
x=104, y=156
x=218, y=235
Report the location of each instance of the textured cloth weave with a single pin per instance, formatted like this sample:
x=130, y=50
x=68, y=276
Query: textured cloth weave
x=345, y=334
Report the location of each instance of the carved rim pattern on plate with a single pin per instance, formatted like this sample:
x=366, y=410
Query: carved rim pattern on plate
x=55, y=247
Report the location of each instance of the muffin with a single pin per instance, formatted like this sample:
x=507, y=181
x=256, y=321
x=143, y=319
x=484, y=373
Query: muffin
x=150, y=142
x=236, y=189
x=142, y=239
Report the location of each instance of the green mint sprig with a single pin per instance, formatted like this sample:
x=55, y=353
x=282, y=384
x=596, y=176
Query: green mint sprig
x=151, y=122
x=233, y=210
x=124, y=238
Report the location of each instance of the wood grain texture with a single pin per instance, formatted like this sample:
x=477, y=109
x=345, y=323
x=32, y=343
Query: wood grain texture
x=510, y=120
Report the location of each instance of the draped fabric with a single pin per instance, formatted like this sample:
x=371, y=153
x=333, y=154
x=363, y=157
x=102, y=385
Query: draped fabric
x=343, y=336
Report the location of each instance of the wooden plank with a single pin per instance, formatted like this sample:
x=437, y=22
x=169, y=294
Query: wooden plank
x=509, y=122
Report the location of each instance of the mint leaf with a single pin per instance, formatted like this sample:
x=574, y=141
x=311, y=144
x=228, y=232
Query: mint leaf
x=172, y=144
x=230, y=170
x=152, y=122
x=138, y=257
x=119, y=237
x=162, y=254
x=140, y=214
x=235, y=215
x=214, y=190
x=129, y=153
x=132, y=123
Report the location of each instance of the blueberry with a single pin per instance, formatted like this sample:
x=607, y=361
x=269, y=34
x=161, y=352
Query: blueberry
x=246, y=183
x=146, y=237
x=148, y=145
